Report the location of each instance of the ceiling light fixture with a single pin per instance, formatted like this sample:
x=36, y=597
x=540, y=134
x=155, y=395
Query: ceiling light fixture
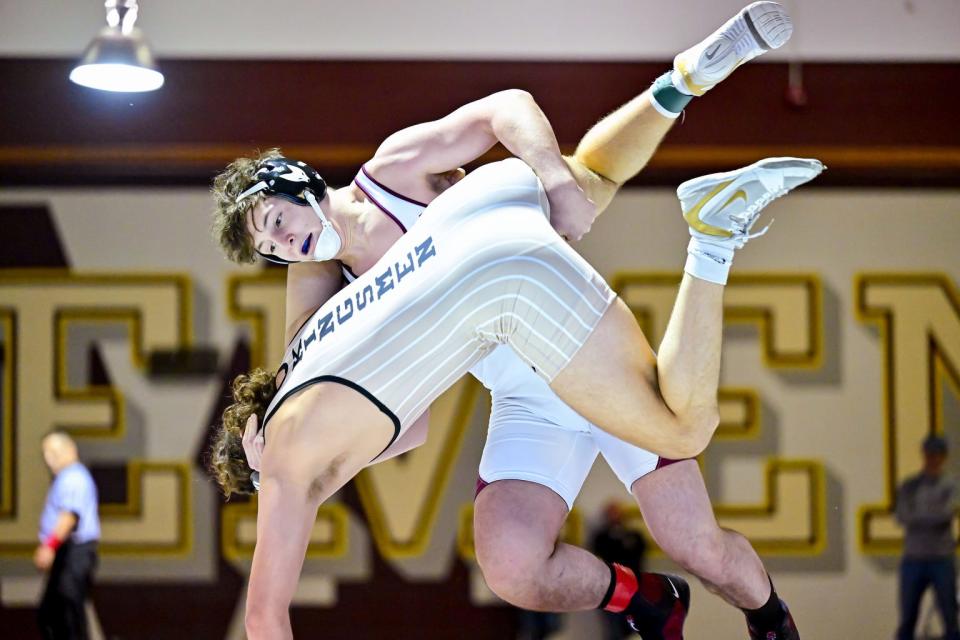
x=118, y=58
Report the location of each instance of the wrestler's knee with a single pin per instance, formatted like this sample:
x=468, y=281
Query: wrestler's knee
x=512, y=560
x=705, y=556
x=696, y=430
x=512, y=568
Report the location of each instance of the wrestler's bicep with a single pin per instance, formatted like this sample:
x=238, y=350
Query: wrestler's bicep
x=309, y=285
x=446, y=144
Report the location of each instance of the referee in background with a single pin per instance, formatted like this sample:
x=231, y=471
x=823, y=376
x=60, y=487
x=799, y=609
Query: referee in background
x=69, y=530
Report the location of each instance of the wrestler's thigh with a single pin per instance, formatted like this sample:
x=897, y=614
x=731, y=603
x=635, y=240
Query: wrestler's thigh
x=612, y=382
x=516, y=522
x=676, y=507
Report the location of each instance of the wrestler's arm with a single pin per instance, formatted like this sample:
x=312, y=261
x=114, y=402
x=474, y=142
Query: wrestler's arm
x=309, y=285
x=511, y=118
x=286, y=511
x=296, y=477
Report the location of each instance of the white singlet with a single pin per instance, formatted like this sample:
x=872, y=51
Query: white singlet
x=533, y=435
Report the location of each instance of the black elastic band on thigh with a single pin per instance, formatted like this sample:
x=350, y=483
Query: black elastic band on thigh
x=347, y=383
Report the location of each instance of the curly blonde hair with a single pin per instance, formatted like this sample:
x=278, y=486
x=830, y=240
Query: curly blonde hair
x=252, y=393
x=229, y=216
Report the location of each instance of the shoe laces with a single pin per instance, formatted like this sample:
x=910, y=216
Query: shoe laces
x=742, y=222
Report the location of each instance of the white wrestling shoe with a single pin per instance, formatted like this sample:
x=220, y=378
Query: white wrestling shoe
x=758, y=28
x=721, y=208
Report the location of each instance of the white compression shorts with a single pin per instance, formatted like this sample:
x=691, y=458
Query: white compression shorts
x=482, y=267
x=535, y=437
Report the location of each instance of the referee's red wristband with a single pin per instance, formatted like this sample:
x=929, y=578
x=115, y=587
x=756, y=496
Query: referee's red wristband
x=52, y=542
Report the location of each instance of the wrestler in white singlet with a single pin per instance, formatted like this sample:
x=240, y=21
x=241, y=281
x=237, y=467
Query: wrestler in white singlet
x=532, y=434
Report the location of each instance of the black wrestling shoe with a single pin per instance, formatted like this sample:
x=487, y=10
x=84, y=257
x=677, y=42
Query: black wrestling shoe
x=786, y=631
x=659, y=607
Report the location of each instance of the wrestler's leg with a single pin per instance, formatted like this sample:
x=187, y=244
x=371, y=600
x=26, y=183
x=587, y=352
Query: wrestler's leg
x=678, y=514
x=618, y=148
x=535, y=460
x=612, y=381
x=668, y=404
x=516, y=526
x=621, y=144
x=679, y=517
x=688, y=360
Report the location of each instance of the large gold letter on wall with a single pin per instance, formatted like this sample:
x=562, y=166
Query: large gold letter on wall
x=919, y=320
x=37, y=310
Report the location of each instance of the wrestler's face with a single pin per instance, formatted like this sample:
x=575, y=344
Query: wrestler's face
x=284, y=229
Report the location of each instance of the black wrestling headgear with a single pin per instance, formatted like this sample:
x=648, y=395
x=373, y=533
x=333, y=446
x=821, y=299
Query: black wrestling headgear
x=286, y=178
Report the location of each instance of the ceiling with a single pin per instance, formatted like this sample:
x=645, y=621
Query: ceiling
x=828, y=30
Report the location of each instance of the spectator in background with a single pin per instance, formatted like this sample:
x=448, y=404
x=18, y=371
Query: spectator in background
x=69, y=530
x=926, y=505
x=615, y=543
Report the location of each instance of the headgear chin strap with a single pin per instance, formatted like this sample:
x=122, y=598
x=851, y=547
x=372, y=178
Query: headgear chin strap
x=299, y=183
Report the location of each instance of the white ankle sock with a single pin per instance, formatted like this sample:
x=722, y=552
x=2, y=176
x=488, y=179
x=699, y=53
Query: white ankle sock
x=709, y=260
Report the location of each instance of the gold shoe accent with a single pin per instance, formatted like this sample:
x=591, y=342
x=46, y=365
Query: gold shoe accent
x=695, y=89
x=698, y=89
x=693, y=215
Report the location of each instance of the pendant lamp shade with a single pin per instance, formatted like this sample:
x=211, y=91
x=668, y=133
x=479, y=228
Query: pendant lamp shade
x=118, y=59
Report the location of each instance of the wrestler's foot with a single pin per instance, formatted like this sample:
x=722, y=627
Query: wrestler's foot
x=721, y=208
x=758, y=28
x=786, y=631
x=659, y=607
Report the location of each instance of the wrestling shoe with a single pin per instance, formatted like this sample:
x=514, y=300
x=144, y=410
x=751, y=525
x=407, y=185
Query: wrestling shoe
x=787, y=630
x=758, y=28
x=721, y=208
x=659, y=607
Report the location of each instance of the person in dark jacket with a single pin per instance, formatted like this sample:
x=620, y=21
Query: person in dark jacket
x=926, y=506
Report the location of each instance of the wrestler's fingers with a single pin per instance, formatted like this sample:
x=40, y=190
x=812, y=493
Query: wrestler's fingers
x=252, y=451
x=250, y=430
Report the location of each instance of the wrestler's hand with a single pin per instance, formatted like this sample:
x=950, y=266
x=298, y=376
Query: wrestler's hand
x=253, y=443
x=571, y=212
